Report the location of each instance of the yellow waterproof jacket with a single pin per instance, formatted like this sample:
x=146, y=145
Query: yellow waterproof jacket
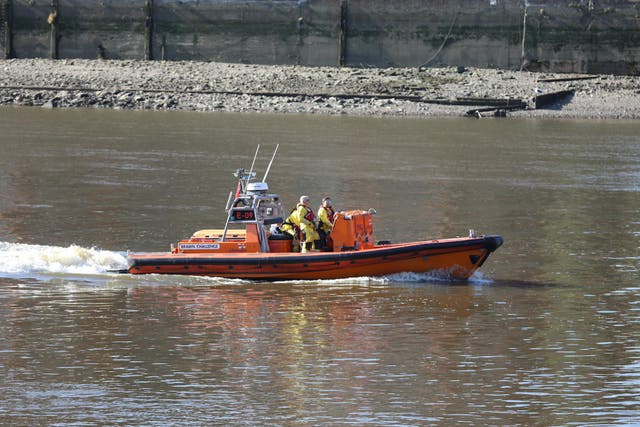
x=325, y=219
x=306, y=217
x=300, y=218
x=291, y=225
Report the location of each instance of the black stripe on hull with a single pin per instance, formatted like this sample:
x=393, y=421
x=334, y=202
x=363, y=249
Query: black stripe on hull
x=490, y=243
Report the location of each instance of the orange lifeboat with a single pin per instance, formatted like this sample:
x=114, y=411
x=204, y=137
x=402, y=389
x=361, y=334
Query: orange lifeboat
x=250, y=246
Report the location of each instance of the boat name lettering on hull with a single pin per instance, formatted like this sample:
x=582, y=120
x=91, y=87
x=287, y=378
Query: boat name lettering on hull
x=192, y=246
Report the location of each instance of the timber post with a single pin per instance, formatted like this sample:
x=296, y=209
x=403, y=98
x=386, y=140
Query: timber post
x=344, y=27
x=7, y=31
x=524, y=34
x=148, y=30
x=55, y=37
x=300, y=43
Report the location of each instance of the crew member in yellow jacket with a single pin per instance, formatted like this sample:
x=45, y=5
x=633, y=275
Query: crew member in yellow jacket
x=308, y=233
x=302, y=220
x=325, y=221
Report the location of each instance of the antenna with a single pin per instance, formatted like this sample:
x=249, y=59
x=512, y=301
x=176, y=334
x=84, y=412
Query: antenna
x=264, y=179
x=253, y=163
x=228, y=201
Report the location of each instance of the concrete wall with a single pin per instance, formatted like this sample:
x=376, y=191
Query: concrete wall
x=595, y=36
x=560, y=35
x=83, y=25
x=267, y=32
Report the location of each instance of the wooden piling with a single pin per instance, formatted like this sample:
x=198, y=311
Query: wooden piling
x=300, y=43
x=7, y=31
x=344, y=27
x=148, y=30
x=524, y=34
x=54, y=37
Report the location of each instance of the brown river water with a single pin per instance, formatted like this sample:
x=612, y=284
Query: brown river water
x=548, y=333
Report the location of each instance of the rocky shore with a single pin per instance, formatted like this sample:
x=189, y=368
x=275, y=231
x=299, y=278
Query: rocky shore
x=208, y=86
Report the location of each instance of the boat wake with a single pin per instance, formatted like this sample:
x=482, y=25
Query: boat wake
x=408, y=278
x=476, y=279
x=18, y=259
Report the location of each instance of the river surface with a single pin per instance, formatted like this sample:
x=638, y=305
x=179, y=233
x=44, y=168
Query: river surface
x=547, y=333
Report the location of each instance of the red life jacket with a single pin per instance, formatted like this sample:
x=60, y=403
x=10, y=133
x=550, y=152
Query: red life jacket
x=330, y=213
x=309, y=216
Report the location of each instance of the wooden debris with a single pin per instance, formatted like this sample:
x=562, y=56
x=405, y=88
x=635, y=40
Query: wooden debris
x=546, y=99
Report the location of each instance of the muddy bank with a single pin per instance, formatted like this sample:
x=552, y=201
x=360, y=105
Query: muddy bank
x=207, y=86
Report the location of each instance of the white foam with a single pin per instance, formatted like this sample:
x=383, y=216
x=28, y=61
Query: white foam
x=437, y=276
x=477, y=278
x=419, y=277
x=19, y=258
x=345, y=282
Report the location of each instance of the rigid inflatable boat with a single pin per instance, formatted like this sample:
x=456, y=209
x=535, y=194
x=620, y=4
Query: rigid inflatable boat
x=251, y=246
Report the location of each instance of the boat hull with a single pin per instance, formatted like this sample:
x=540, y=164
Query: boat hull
x=454, y=258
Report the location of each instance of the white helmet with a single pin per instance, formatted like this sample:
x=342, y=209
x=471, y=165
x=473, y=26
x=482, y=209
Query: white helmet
x=304, y=200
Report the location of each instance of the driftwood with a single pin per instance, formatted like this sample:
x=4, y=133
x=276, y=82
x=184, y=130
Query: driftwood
x=567, y=79
x=546, y=99
x=498, y=105
x=497, y=111
x=492, y=103
x=539, y=102
x=413, y=98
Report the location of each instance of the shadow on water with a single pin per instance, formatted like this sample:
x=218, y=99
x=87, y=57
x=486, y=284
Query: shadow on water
x=416, y=280
x=507, y=283
x=488, y=284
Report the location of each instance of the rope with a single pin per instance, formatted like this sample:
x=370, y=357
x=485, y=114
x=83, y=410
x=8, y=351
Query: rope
x=453, y=20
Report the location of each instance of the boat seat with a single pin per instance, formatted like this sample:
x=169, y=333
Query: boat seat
x=275, y=220
x=216, y=233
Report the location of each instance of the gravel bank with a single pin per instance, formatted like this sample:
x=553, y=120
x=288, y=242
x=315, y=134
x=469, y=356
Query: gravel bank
x=208, y=86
